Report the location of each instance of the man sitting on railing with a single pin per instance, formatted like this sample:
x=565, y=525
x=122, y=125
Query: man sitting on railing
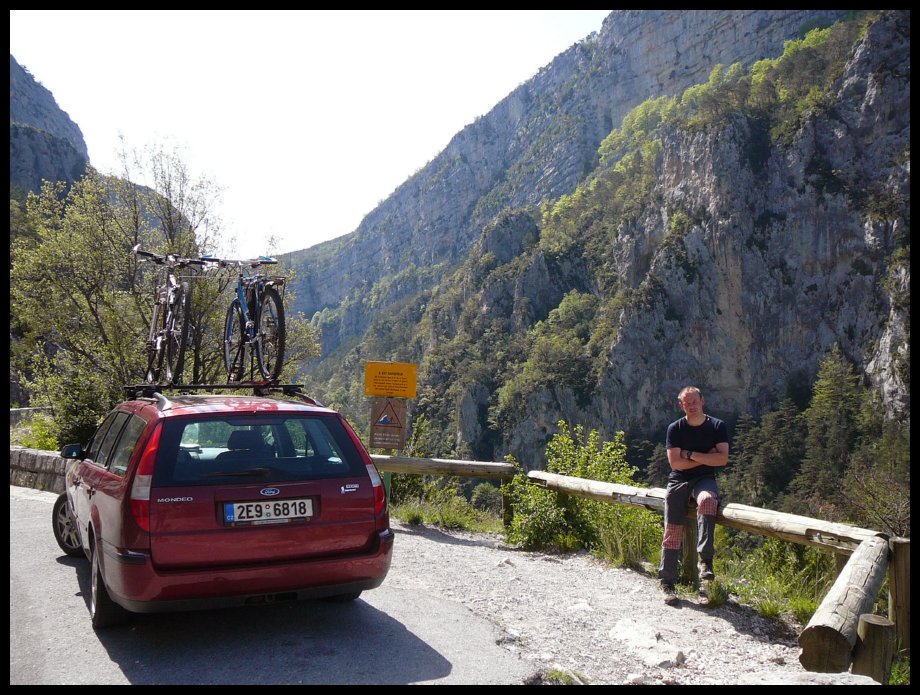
x=697, y=444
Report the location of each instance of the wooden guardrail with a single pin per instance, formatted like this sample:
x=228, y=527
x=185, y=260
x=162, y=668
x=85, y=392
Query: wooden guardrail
x=426, y=466
x=841, y=627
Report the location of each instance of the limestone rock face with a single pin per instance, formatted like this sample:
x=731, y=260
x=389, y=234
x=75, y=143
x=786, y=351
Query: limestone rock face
x=750, y=257
x=783, y=261
x=44, y=143
x=535, y=145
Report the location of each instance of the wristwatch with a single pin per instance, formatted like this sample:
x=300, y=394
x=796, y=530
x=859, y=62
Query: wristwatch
x=689, y=455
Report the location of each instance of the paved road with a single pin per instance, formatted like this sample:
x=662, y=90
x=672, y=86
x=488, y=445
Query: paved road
x=388, y=636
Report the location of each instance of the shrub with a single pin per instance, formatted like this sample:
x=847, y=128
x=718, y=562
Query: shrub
x=38, y=433
x=554, y=520
x=440, y=502
x=487, y=498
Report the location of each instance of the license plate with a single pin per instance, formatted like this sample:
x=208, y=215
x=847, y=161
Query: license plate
x=267, y=512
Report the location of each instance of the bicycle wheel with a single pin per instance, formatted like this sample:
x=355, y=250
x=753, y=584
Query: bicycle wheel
x=177, y=334
x=271, y=332
x=155, y=347
x=235, y=344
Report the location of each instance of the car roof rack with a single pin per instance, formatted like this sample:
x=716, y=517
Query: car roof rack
x=259, y=388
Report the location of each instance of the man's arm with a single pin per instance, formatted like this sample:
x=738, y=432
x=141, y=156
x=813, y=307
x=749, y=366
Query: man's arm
x=677, y=462
x=716, y=458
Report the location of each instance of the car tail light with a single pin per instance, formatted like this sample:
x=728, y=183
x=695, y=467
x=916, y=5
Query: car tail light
x=380, y=492
x=143, y=480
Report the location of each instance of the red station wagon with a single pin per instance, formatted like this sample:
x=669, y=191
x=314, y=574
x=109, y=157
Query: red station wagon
x=209, y=501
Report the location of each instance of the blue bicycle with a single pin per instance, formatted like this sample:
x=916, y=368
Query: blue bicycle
x=254, y=328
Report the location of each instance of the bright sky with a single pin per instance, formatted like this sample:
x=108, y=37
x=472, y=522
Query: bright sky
x=306, y=119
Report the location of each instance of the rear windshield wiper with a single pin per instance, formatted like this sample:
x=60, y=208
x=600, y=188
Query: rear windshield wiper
x=244, y=473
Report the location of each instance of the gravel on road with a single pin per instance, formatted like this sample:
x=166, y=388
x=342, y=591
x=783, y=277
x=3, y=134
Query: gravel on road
x=575, y=616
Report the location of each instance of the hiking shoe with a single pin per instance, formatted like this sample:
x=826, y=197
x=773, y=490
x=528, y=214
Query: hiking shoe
x=705, y=568
x=670, y=594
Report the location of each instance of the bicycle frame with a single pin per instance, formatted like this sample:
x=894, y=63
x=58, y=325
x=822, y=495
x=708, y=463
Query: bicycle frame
x=165, y=299
x=169, y=323
x=262, y=337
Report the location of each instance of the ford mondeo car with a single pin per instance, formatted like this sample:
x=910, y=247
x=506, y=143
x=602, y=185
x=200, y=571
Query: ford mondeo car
x=218, y=500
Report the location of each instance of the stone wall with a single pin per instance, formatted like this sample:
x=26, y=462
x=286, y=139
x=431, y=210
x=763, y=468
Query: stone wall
x=42, y=470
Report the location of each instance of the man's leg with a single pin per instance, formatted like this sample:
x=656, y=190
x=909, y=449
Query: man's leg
x=706, y=493
x=675, y=513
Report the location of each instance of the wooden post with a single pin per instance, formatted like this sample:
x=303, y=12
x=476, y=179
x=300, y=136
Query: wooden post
x=828, y=640
x=874, y=648
x=899, y=592
x=841, y=561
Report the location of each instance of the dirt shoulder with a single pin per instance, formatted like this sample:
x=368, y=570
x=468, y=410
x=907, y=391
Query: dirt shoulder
x=600, y=624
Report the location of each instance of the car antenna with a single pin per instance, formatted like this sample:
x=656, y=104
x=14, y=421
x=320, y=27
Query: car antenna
x=163, y=403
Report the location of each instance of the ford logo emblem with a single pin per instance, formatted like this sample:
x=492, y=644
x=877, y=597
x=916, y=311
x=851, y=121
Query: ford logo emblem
x=269, y=491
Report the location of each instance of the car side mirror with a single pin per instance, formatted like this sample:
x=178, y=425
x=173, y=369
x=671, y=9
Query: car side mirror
x=73, y=451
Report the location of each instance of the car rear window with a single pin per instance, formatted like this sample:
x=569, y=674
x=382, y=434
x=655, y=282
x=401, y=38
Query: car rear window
x=278, y=448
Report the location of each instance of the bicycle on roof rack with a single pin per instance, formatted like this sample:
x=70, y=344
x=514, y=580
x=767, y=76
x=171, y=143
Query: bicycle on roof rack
x=169, y=325
x=254, y=330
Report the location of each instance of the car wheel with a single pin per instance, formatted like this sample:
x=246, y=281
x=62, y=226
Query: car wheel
x=65, y=528
x=343, y=598
x=103, y=611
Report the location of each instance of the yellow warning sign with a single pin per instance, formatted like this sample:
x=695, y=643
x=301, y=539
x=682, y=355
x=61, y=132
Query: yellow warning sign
x=392, y=379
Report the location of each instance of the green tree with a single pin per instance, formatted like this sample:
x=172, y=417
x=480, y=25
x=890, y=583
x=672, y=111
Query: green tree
x=736, y=481
x=781, y=451
x=82, y=301
x=832, y=424
x=876, y=489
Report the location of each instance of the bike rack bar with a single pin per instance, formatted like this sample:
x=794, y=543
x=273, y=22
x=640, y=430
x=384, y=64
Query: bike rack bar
x=259, y=388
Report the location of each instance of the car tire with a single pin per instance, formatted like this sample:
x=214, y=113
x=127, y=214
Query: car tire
x=103, y=611
x=65, y=528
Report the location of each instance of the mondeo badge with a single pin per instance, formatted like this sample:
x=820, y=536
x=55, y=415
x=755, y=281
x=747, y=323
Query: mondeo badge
x=269, y=491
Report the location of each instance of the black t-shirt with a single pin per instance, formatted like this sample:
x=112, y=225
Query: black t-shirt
x=702, y=438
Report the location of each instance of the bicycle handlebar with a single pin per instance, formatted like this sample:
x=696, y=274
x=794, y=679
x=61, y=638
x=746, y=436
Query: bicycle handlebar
x=251, y=262
x=172, y=259
x=169, y=259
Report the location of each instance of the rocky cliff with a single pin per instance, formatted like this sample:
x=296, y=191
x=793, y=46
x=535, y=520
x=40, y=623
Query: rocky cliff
x=726, y=237
x=535, y=145
x=781, y=256
x=44, y=143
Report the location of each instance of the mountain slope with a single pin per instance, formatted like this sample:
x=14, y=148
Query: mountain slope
x=727, y=238
x=44, y=142
x=535, y=145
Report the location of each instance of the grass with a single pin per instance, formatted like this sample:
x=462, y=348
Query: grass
x=900, y=671
x=454, y=514
x=557, y=676
x=781, y=580
x=718, y=593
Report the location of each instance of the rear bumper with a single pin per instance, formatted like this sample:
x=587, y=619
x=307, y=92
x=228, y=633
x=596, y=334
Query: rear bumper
x=135, y=584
